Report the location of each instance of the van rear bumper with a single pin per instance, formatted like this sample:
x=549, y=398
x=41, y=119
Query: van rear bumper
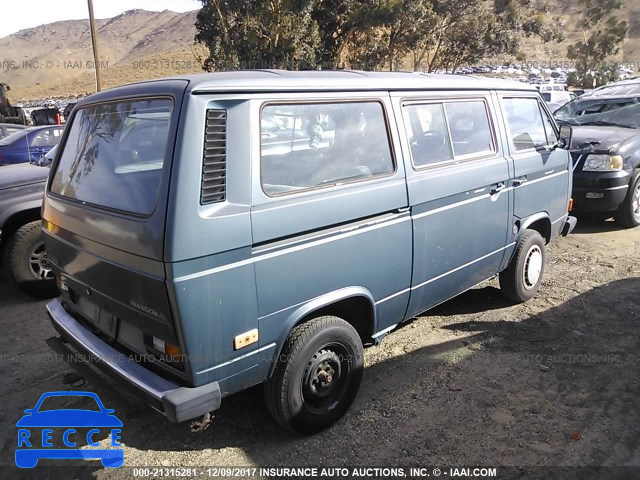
x=175, y=402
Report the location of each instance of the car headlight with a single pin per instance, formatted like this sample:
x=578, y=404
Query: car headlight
x=603, y=163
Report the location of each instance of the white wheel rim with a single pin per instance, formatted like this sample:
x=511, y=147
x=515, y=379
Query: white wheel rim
x=532, y=267
x=635, y=202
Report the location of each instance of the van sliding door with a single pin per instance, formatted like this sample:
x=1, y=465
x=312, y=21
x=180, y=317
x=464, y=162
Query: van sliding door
x=456, y=178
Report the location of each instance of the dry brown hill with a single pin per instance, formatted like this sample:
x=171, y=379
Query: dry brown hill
x=55, y=59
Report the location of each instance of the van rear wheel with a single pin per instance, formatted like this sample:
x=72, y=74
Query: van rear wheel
x=522, y=278
x=317, y=375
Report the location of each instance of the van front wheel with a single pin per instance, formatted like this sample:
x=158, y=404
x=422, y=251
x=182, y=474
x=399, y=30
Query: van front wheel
x=317, y=375
x=522, y=278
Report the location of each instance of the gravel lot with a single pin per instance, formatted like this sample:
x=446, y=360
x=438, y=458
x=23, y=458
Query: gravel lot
x=555, y=381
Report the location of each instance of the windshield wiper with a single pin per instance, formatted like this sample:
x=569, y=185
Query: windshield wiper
x=603, y=123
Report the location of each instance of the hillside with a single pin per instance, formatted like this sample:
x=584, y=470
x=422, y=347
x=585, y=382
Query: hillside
x=56, y=59
x=568, y=10
x=52, y=60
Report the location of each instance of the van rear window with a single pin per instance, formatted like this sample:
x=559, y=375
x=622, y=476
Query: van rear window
x=115, y=154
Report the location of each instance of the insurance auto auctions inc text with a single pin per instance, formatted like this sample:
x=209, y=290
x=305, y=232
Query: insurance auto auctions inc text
x=373, y=472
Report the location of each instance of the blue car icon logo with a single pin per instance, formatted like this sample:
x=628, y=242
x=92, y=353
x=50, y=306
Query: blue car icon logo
x=37, y=429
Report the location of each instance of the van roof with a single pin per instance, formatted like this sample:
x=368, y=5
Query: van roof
x=318, y=80
x=329, y=80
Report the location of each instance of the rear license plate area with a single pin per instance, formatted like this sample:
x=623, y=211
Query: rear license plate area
x=102, y=320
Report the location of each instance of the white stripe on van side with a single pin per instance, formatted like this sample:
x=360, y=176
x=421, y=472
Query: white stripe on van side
x=462, y=266
x=393, y=296
x=350, y=232
x=242, y=357
x=542, y=179
x=453, y=205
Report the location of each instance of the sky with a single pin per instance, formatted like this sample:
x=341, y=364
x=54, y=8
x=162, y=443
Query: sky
x=20, y=14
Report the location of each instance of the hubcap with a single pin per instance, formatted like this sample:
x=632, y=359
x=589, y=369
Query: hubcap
x=532, y=267
x=325, y=378
x=39, y=264
x=635, y=203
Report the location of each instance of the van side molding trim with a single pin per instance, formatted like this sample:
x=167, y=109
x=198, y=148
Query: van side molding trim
x=394, y=295
x=386, y=330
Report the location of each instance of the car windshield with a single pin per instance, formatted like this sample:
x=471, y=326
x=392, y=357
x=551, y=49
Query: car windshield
x=618, y=112
x=66, y=402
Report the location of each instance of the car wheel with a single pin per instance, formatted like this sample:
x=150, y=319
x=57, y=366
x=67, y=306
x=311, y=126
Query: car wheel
x=25, y=256
x=317, y=375
x=521, y=280
x=628, y=214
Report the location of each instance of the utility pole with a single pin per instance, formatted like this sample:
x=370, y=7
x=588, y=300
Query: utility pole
x=94, y=43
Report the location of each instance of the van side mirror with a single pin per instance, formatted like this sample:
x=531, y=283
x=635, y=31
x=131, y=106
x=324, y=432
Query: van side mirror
x=566, y=137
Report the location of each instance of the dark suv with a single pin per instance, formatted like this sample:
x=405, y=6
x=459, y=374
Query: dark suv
x=606, y=150
x=22, y=250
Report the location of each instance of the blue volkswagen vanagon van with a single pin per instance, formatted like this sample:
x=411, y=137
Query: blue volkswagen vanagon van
x=216, y=231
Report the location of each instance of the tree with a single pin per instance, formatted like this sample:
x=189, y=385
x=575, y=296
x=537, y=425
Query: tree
x=258, y=34
x=602, y=35
x=368, y=34
x=467, y=31
x=335, y=20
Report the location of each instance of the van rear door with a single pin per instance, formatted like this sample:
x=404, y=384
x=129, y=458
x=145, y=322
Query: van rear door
x=104, y=213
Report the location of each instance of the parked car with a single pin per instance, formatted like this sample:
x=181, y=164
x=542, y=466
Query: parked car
x=46, y=116
x=7, y=129
x=245, y=227
x=29, y=144
x=22, y=250
x=554, y=106
x=556, y=94
x=606, y=151
x=68, y=109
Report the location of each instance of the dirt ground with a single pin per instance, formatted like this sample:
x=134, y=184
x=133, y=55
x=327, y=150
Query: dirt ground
x=477, y=381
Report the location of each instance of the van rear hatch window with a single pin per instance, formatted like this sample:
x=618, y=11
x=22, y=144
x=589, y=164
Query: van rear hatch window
x=115, y=154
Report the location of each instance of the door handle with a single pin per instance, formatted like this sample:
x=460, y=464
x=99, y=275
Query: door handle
x=519, y=181
x=497, y=188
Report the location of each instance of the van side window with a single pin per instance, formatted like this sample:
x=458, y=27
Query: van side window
x=315, y=145
x=429, y=136
x=525, y=123
x=552, y=134
x=469, y=126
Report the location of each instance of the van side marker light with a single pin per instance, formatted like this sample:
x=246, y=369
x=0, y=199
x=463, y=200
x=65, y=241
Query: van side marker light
x=245, y=339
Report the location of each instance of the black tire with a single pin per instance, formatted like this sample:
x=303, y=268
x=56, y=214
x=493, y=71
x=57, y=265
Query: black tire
x=628, y=213
x=25, y=259
x=521, y=280
x=317, y=375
